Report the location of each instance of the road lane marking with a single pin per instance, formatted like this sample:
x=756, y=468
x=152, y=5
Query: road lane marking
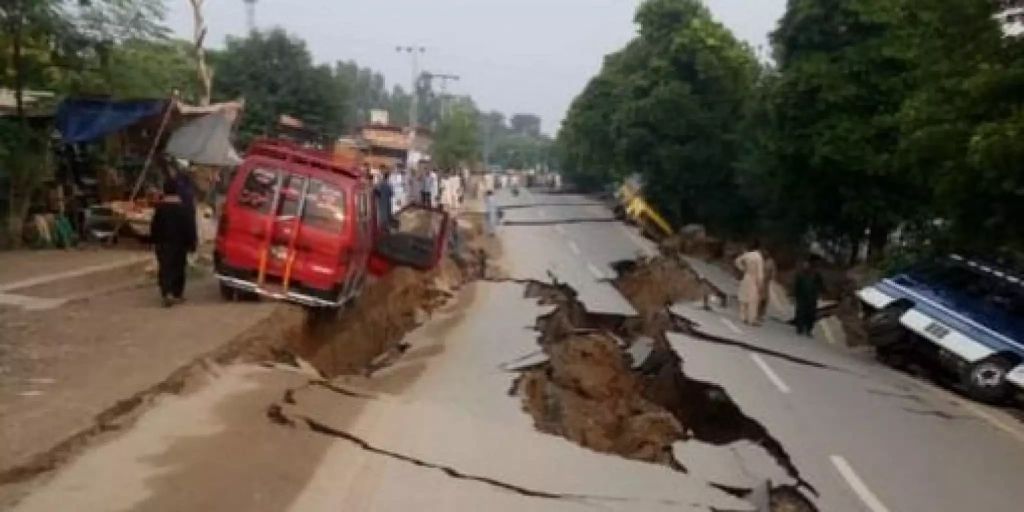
x=772, y=376
x=574, y=248
x=858, y=485
x=728, y=323
x=559, y=229
x=596, y=271
x=542, y=214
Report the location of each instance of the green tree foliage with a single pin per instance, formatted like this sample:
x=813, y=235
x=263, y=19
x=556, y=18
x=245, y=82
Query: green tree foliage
x=843, y=74
x=275, y=74
x=875, y=115
x=457, y=139
x=69, y=45
x=151, y=69
x=962, y=126
x=668, y=106
x=516, y=145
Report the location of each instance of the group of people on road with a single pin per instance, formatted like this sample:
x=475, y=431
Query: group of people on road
x=759, y=271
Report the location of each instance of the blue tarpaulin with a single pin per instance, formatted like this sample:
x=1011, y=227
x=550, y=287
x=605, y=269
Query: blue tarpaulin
x=89, y=120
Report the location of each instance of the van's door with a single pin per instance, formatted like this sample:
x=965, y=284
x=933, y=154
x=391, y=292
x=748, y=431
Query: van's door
x=278, y=256
x=417, y=239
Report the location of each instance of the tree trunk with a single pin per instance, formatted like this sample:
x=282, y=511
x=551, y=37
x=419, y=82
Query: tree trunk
x=877, y=241
x=198, y=35
x=18, y=21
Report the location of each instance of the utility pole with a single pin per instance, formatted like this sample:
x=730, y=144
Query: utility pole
x=444, y=78
x=250, y=15
x=414, y=53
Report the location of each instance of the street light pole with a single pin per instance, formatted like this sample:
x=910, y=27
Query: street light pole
x=414, y=53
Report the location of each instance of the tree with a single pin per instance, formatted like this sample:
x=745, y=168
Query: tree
x=961, y=128
x=151, y=69
x=832, y=135
x=457, y=139
x=668, y=107
x=204, y=73
x=275, y=73
x=526, y=124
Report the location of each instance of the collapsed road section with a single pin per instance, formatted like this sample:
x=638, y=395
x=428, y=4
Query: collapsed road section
x=611, y=384
x=615, y=385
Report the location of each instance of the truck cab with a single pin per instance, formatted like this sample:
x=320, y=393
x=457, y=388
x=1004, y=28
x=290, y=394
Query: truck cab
x=963, y=313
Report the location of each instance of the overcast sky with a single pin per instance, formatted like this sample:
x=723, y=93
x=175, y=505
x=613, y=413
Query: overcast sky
x=513, y=55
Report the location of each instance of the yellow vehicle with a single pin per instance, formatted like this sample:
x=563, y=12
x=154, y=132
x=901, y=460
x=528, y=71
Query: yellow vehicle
x=633, y=206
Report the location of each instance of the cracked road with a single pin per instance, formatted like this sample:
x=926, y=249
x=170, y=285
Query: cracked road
x=438, y=429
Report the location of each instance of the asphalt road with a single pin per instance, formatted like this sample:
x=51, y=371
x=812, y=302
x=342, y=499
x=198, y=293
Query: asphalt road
x=866, y=436
x=438, y=430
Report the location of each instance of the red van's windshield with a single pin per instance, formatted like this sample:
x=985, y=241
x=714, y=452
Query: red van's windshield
x=324, y=206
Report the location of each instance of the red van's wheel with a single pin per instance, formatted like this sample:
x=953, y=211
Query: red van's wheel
x=228, y=293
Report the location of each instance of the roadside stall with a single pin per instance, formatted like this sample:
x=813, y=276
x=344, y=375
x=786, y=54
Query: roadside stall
x=116, y=153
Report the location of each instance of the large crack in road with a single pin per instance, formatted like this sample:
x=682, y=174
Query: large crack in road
x=593, y=388
x=596, y=392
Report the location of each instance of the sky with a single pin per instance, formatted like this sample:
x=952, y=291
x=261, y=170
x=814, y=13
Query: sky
x=514, y=56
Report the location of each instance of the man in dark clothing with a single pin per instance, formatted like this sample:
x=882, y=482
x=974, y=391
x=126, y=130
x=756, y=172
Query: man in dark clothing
x=385, y=195
x=806, y=290
x=173, y=231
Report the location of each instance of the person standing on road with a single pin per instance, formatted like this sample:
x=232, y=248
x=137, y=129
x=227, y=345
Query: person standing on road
x=385, y=195
x=426, y=187
x=766, y=289
x=751, y=264
x=432, y=188
x=806, y=289
x=173, y=231
x=491, y=209
x=397, y=180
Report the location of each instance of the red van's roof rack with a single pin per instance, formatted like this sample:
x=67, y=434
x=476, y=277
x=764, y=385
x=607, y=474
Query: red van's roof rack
x=288, y=151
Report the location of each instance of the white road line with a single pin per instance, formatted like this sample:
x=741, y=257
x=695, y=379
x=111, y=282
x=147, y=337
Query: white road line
x=728, y=323
x=594, y=270
x=772, y=376
x=858, y=486
x=574, y=248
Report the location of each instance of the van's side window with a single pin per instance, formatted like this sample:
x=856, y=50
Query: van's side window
x=258, y=190
x=325, y=207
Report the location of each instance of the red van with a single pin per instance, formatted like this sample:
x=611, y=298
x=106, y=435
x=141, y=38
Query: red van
x=298, y=226
x=295, y=226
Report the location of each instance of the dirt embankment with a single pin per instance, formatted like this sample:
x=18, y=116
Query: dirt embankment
x=841, y=281
x=364, y=333
x=614, y=384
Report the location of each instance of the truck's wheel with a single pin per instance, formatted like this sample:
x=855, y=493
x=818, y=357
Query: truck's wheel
x=883, y=326
x=985, y=380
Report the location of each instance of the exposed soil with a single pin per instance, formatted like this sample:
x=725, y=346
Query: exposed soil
x=652, y=285
x=588, y=395
x=593, y=393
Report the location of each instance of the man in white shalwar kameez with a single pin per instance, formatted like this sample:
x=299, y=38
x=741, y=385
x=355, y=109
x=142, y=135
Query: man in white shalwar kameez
x=751, y=264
